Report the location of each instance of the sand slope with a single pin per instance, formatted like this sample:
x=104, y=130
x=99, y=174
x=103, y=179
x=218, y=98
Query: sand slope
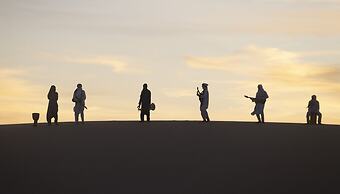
x=169, y=157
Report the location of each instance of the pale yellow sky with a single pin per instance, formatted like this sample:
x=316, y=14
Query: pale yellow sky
x=113, y=47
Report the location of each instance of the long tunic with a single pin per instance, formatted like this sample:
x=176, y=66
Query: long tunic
x=313, y=106
x=52, y=109
x=79, y=97
x=260, y=100
x=145, y=99
x=204, y=99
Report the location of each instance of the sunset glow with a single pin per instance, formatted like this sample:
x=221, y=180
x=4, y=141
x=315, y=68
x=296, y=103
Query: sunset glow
x=113, y=47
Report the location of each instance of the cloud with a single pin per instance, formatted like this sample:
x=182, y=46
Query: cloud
x=251, y=57
x=18, y=98
x=118, y=65
x=178, y=93
x=10, y=82
x=268, y=64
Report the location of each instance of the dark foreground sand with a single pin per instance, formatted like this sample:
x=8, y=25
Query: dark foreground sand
x=170, y=157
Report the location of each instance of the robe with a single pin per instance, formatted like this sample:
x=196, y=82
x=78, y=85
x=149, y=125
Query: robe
x=79, y=98
x=260, y=100
x=52, y=110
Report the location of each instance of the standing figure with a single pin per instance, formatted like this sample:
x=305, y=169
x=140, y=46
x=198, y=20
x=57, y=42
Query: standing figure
x=79, y=97
x=204, y=102
x=313, y=111
x=144, y=103
x=260, y=100
x=52, y=110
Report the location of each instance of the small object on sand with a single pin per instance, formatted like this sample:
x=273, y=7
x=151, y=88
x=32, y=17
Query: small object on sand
x=35, y=117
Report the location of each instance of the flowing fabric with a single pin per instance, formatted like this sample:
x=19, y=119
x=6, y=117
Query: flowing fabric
x=204, y=99
x=261, y=97
x=79, y=98
x=52, y=109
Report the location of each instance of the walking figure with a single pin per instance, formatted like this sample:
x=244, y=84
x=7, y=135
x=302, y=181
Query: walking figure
x=52, y=110
x=260, y=100
x=204, y=102
x=313, y=111
x=144, y=103
x=79, y=97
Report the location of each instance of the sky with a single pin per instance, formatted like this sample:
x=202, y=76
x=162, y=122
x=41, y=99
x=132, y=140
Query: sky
x=112, y=47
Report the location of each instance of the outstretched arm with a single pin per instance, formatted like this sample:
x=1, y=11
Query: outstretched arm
x=251, y=98
x=140, y=101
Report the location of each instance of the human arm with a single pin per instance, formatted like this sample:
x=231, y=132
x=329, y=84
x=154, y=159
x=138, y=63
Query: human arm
x=140, y=101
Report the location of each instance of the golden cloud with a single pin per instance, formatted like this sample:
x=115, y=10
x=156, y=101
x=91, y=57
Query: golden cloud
x=18, y=98
x=268, y=64
x=118, y=65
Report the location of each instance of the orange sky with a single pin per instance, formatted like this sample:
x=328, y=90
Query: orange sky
x=112, y=48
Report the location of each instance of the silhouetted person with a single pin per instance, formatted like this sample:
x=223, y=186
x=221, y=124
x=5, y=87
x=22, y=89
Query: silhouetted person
x=79, y=97
x=313, y=111
x=52, y=110
x=144, y=103
x=260, y=100
x=204, y=102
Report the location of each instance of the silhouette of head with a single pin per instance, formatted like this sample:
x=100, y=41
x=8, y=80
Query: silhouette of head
x=145, y=86
x=260, y=87
x=205, y=86
x=314, y=97
x=53, y=88
x=79, y=86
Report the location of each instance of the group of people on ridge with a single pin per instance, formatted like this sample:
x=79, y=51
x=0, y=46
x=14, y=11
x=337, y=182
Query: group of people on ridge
x=79, y=97
x=145, y=105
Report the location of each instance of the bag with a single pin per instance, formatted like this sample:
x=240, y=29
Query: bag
x=152, y=106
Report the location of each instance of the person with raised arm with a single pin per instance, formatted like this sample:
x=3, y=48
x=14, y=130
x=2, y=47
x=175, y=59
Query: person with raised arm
x=260, y=100
x=204, y=102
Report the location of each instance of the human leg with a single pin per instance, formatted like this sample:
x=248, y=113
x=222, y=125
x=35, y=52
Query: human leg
x=308, y=118
x=141, y=115
x=262, y=117
x=204, y=113
x=76, y=117
x=56, y=119
x=319, y=117
x=207, y=116
x=49, y=119
x=82, y=117
x=258, y=118
x=148, y=115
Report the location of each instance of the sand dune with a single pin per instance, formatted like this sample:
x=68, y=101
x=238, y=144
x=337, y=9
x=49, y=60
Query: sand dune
x=169, y=157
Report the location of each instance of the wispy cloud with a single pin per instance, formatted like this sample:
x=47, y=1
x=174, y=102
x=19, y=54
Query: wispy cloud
x=10, y=83
x=18, y=97
x=118, y=65
x=268, y=63
x=178, y=93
